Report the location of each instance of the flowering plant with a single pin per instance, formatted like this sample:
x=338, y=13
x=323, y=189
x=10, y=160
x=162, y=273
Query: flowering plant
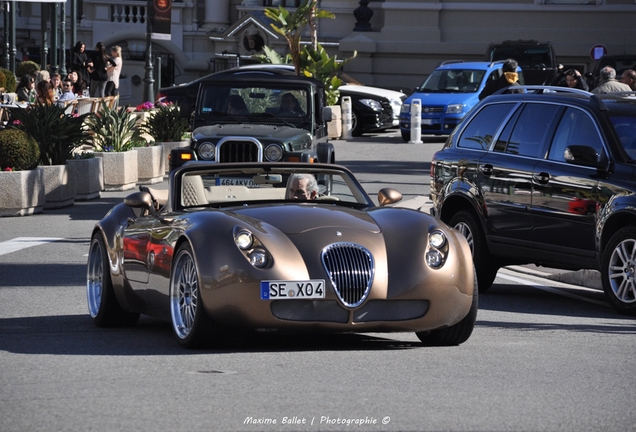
x=146, y=106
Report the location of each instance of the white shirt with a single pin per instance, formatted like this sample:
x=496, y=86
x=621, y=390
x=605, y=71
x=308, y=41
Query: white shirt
x=113, y=72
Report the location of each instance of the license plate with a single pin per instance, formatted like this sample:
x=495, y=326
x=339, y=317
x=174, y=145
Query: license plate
x=292, y=290
x=235, y=181
x=427, y=122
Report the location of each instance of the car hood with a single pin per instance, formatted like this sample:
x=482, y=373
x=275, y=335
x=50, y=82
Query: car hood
x=443, y=98
x=303, y=218
x=371, y=91
x=275, y=132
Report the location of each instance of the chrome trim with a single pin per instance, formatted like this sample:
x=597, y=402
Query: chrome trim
x=351, y=270
x=223, y=140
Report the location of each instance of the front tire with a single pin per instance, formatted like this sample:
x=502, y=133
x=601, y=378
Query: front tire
x=356, y=124
x=103, y=307
x=618, y=271
x=190, y=323
x=466, y=223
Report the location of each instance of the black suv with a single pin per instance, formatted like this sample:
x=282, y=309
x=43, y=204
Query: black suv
x=536, y=59
x=545, y=177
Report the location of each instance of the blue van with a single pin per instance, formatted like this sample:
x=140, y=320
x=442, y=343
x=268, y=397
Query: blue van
x=448, y=94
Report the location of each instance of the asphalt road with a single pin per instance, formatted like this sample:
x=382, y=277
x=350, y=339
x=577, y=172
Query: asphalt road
x=544, y=356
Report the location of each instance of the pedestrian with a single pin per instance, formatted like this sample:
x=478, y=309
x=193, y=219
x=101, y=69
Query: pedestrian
x=609, y=83
x=508, y=77
x=25, y=91
x=79, y=62
x=97, y=68
x=573, y=79
x=629, y=78
x=114, y=70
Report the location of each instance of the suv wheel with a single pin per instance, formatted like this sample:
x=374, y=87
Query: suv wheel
x=618, y=271
x=466, y=223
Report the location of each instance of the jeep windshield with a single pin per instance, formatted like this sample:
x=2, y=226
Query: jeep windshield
x=247, y=103
x=527, y=56
x=453, y=81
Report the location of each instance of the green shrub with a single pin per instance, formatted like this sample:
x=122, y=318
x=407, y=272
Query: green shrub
x=57, y=134
x=3, y=80
x=165, y=123
x=113, y=129
x=18, y=150
x=11, y=82
x=27, y=67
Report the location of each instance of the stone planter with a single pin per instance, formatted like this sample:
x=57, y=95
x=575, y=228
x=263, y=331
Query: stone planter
x=150, y=164
x=22, y=192
x=334, y=127
x=121, y=171
x=59, y=187
x=167, y=146
x=88, y=176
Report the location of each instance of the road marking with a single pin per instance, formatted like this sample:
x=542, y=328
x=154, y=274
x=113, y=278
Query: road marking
x=554, y=290
x=18, y=243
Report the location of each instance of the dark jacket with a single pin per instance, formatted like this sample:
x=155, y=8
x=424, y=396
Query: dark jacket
x=493, y=85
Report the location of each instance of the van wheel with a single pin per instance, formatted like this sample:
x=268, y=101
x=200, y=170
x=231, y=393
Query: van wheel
x=466, y=223
x=619, y=270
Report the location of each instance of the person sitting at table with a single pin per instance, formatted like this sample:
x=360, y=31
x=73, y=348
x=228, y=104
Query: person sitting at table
x=67, y=91
x=26, y=88
x=44, y=93
x=79, y=85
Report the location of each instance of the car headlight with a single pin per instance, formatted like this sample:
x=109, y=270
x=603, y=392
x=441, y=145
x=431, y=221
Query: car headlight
x=273, y=152
x=437, y=250
x=454, y=108
x=258, y=258
x=372, y=103
x=207, y=151
x=406, y=108
x=244, y=240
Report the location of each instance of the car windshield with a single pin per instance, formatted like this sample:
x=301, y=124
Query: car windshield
x=242, y=186
x=232, y=102
x=453, y=81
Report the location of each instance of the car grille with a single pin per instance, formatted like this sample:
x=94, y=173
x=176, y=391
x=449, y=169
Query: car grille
x=350, y=268
x=432, y=109
x=238, y=151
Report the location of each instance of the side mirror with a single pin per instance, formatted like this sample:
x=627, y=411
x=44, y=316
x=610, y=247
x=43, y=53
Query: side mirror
x=388, y=196
x=326, y=114
x=142, y=200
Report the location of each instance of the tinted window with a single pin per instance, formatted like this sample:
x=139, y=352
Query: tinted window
x=481, y=129
x=526, y=56
x=529, y=130
x=576, y=128
x=625, y=127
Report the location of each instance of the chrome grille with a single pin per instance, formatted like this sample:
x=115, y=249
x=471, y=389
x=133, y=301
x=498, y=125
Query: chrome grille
x=238, y=151
x=350, y=268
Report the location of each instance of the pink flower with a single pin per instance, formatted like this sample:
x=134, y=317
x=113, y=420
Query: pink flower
x=8, y=169
x=146, y=106
x=16, y=122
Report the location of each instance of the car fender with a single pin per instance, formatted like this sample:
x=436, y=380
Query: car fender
x=461, y=194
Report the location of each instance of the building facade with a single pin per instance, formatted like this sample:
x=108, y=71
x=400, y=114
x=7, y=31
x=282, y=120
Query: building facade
x=398, y=42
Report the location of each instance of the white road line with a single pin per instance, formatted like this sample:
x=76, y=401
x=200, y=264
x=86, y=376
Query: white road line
x=553, y=290
x=18, y=243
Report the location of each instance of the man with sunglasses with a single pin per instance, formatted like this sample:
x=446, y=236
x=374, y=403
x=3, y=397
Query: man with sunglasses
x=67, y=91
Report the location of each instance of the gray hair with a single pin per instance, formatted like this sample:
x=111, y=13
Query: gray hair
x=607, y=73
x=312, y=184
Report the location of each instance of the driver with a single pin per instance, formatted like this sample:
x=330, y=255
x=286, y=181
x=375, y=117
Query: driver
x=302, y=187
x=289, y=106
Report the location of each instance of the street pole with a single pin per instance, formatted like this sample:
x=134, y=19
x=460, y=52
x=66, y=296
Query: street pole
x=5, y=12
x=149, y=92
x=63, y=39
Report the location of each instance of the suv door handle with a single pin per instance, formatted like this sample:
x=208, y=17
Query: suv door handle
x=541, y=178
x=486, y=169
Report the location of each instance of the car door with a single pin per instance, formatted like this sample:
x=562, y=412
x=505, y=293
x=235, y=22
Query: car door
x=505, y=176
x=136, y=242
x=566, y=196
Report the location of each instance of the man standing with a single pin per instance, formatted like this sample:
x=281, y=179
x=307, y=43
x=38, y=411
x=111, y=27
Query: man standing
x=609, y=83
x=508, y=77
x=629, y=78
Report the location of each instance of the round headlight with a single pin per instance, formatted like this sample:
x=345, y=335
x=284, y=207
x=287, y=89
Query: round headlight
x=273, y=152
x=244, y=240
x=207, y=151
x=437, y=239
x=434, y=258
x=258, y=258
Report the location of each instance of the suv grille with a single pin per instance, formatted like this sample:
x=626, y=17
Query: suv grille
x=350, y=268
x=238, y=151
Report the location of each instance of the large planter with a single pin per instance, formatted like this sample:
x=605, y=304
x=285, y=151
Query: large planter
x=150, y=164
x=167, y=147
x=334, y=127
x=59, y=187
x=120, y=170
x=88, y=176
x=22, y=192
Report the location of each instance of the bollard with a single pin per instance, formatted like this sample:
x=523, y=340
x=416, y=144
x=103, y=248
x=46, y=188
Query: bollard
x=416, y=121
x=346, y=117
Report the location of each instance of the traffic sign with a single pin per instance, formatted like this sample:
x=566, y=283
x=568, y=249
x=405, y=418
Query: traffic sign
x=598, y=51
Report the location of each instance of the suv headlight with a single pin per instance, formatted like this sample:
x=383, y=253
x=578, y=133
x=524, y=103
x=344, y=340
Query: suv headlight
x=372, y=103
x=454, y=108
x=207, y=151
x=273, y=152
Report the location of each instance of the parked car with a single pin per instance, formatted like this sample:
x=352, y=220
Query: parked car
x=448, y=94
x=537, y=59
x=620, y=63
x=226, y=247
x=546, y=177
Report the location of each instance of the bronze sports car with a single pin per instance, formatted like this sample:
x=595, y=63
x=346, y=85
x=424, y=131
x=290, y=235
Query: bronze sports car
x=265, y=246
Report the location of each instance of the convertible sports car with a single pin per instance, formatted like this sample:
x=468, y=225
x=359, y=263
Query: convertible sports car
x=230, y=245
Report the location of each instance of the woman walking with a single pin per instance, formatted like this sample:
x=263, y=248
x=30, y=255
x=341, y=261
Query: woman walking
x=112, y=86
x=98, y=71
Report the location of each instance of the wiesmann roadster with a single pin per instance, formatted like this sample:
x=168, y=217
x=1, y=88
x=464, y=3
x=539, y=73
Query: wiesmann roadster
x=231, y=245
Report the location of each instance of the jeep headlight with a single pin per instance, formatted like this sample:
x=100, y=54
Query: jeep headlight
x=273, y=152
x=207, y=151
x=454, y=108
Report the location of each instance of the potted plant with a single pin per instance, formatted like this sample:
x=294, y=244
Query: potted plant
x=22, y=191
x=167, y=128
x=58, y=134
x=114, y=132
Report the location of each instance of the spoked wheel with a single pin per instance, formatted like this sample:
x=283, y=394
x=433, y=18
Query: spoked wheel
x=190, y=324
x=102, y=303
x=466, y=223
x=619, y=270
